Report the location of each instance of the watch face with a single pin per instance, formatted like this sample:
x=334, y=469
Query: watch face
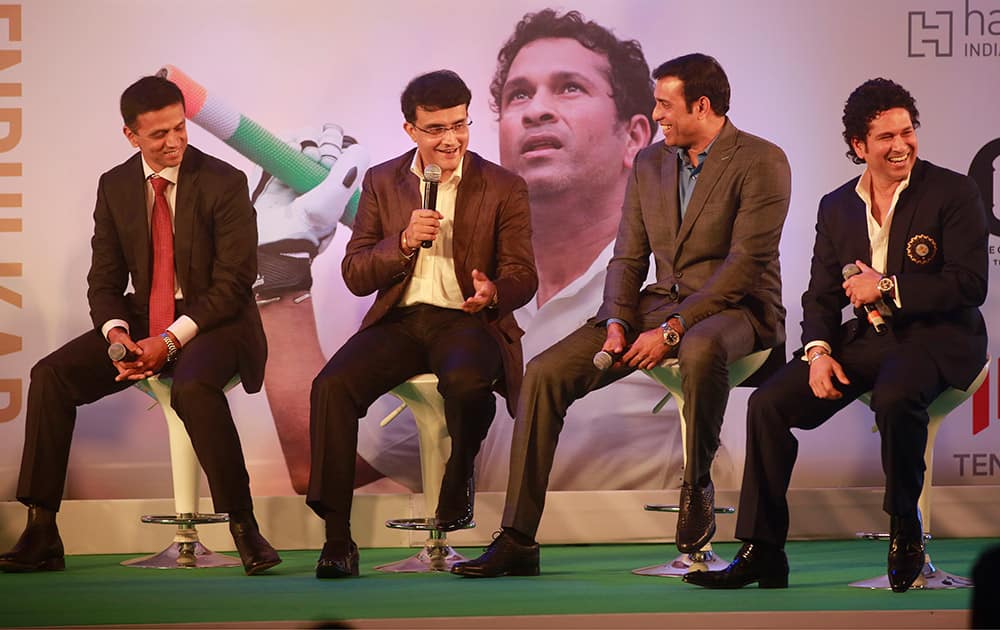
x=670, y=336
x=885, y=285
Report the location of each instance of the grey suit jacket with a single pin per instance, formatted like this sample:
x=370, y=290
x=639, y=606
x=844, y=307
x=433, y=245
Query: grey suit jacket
x=724, y=255
x=492, y=234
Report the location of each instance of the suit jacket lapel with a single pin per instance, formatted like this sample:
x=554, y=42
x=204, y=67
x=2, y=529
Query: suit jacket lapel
x=134, y=192
x=468, y=211
x=670, y=206
x=407, y=195
x=187, y=187
x=718, y=160
x=902, y=218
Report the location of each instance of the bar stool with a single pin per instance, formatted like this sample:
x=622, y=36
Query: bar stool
x=421, y=395
x=930, y=578
x=668, y=374
x=186, y=551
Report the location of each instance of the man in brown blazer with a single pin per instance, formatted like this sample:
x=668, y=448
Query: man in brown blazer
x=210, y=333
x=708, y=205
x=447, y=282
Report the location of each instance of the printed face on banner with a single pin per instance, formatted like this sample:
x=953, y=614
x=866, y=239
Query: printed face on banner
x=890, y=148
x=680, y=126
x=161, y=136
x=559, y=127
x=447, y=149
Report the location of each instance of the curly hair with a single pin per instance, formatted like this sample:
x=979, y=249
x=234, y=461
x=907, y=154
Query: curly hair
x=631, y=86
x=864, y=105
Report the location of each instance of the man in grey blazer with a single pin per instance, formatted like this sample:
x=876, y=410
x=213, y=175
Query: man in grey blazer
x=708, y=205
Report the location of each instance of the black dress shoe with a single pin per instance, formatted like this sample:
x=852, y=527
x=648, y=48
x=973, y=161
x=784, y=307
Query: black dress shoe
x=39, y=548
x=696, y=522
x=768, y=566
x=256, y=554
x=337, y=560
x=504, y=556
x=906, y=551
x=455, y=512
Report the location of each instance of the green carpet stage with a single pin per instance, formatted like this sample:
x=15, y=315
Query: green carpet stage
x=581, y=586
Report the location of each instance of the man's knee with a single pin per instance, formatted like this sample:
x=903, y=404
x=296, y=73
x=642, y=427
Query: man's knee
x=465, y=384
x=701, y=356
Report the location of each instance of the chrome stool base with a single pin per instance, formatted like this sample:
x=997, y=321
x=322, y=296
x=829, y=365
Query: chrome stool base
x=186, y=552
x=702, y=560
x=436, y=556
x=931, y=579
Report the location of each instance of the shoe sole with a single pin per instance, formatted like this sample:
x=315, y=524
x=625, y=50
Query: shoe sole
x=52, y=564
x=517, y=572
x=260, y=568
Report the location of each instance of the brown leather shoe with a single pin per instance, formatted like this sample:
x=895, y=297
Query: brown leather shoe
x=504, y=556
x=906, y=551
x=767, y=566
x=338, y=560
x=256, y=554
x=39, y=548
x=696, y=522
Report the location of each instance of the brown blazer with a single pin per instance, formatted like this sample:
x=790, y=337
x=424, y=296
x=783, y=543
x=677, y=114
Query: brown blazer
x=725, y=252
x=492, y=234
x=215, y=253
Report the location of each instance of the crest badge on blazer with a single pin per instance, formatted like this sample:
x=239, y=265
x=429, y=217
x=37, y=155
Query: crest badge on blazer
x=921, y=249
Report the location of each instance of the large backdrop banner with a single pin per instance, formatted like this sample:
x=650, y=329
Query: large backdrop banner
x=269, y=84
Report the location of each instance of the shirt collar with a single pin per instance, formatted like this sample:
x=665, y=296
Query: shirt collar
x=686, y=160
x=456, y=177
x=169, y=173
x=863, y=188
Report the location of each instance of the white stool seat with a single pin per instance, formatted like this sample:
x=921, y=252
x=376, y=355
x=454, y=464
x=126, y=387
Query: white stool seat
x=668, y=374
x=931, y=578
x=420, y=394
x=186, y=551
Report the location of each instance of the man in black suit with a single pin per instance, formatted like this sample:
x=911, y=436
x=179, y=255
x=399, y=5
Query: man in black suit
x=179, y=225
x=915, y=234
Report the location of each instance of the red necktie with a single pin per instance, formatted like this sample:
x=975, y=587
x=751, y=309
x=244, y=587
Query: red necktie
x=161, y=292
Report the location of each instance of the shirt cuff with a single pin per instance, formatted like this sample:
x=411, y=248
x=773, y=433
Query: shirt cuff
x=615, y=320
x=114, y=323
x=185, y=329
x=813, y=344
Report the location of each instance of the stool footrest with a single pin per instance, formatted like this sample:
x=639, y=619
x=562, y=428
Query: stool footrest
x=881, y=535
x=655, y=507
x=185, y=519
x=423, y=524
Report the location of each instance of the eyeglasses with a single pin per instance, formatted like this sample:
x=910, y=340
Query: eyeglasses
x=438, y=131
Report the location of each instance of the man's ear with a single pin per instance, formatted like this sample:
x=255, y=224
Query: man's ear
x=638, y=134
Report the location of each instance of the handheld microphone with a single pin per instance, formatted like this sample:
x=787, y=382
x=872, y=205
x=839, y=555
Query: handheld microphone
x=874, y=317
x=604, y=360
x=118, y=352
x=432, y=175
x=253, y=141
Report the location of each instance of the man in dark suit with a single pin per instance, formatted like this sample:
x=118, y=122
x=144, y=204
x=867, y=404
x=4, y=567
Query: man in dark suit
x=708, y=205
x=914, y=236
x=444, y=308
x=190, y=315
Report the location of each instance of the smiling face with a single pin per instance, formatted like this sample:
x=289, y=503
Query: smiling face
x=559, y=126
x=890, y=147
x=160, y=135
x=680, y=125
x=445, y=150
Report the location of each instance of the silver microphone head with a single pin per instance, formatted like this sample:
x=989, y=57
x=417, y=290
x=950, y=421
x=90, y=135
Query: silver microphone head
x=117, y=352
x=850, y=270
x=432, y=173
x=603, y=360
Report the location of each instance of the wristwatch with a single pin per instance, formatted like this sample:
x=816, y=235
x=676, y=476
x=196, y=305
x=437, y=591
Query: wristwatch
x=670, y=336
x=886, y=286
x=815, y=353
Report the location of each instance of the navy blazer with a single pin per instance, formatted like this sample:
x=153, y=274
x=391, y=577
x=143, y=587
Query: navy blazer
x=938, y=253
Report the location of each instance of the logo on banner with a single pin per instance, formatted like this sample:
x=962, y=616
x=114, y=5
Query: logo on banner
x=935, y=33
x=983, y=172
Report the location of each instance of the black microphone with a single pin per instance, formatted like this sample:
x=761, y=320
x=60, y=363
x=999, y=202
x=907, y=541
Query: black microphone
x=604, y=359
x=432, y=175
x=874, y=317
x=118, y=352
